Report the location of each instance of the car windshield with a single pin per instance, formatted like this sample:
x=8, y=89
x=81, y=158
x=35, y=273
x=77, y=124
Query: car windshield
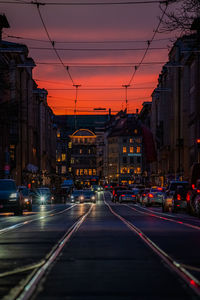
x=77, y=193
x=7, y=185
x=130, y=192
x=174, y=185
x=88, y=193
x=42, y=191
x=24, y=192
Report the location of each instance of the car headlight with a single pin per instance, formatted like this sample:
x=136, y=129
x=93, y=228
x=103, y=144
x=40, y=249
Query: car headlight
x=81, y=197
x=13, y=195
x=42, y=198
x=93, y=197
x=26, y=200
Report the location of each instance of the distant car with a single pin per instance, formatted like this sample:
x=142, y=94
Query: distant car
x=127, y=196
x=116, y=191
x=10, y=197
x=96, y=188
x=169, y=194
x=43, y=195
x=154, y=196
x=82, y=196
x=26, y=196
x=179, y=200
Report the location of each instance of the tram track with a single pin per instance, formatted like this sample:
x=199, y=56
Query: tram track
x=152, y=214
x=26, y=287
x=181, y=270
x=26, y=222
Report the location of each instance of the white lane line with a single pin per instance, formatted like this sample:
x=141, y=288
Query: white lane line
x=32, y=285
x=164, y=218
x=18, y=225
x=191, y=281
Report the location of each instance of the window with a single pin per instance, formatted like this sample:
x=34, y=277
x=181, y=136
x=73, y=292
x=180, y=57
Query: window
x=85, y=171
x=81, y=171
x=63, y=156
x=90, y=171
x=94, y=172
x=135, y=131
x=131, y=160
x=80, y=151
x=131, y=140
x=138, y=149
x=72, y=160
x=77, y=171
x=70, y=145
x=58, y=133
x=138, y=159
x=124, y=149
x=131, y=149
x=63, y=169
x=70, y=169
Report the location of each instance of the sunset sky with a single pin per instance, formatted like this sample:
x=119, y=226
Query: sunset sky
x=87, y=30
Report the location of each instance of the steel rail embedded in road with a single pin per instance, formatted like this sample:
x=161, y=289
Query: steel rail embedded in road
x=18, y=225
x=164, y=218
x=29, y=285
x=190, y=280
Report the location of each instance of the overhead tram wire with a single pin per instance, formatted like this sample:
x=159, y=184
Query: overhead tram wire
x=148, y=44
x=83, y=65
x=85, y=3
x=53, y=43
x=87, y=42
x=96, y=49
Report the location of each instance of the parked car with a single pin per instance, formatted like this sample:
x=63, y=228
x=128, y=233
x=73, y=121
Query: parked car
x=82, y=196
x=26, y=197
x=127, y=196
x=10, y=197
x=96, y=188
x=154, y=196
x=43, y=195
x=169, y=194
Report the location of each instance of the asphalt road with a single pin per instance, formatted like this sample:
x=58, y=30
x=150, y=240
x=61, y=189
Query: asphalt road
x=112, y=252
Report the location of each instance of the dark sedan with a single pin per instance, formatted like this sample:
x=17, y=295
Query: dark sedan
x=82, y=196
x=10, y=197
x=127, y=196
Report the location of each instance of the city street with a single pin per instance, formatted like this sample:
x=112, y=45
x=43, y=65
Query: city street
x=99, y=251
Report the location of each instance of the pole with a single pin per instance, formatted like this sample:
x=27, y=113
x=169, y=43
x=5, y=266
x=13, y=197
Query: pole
x=126, y=98
x=76, y=98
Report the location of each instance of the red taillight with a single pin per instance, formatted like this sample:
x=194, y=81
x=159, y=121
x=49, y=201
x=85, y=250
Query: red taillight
x=133, y=196
x=198, y=191
x=193, y=186
x=159, y=189
x=123, y=195
x=150, y=196
x=188, y=197
x=143, y=195
x=178, y=197
x=106, y=186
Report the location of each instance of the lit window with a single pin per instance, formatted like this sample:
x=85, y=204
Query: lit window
x=94, y=172
x=138, y=149
x=81, y=171
x=58, y=158
x=90, y=171
x=131, y=141
x=85, y=171
x=138, y=170
x=124, y=149
x=77, y=171
x=131, y=149
x=70, y=145
x=72, y=160
x=81, y=151
x=63, y=156
x=70, y=169
x=34, y=151
x=58, y=134
x=63, y=169
x=135, y=131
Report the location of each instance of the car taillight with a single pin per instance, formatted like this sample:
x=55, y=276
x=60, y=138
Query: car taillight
x=150, y=196
x=178, y=197
x=123, y=195
x=198, y=191
x=143, y=195
x=133, y=196
x=188, y=197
